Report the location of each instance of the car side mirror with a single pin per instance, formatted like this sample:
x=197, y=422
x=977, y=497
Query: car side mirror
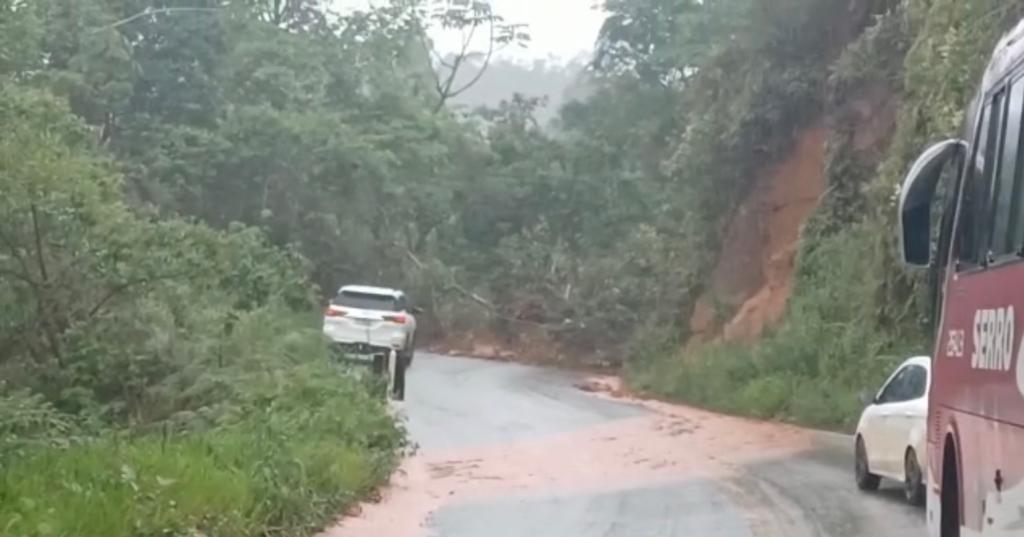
x=866, y=397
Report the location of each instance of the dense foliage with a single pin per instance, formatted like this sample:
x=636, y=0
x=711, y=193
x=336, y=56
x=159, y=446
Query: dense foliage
x=855, y=312
x=161, y=370
x=324, y=133
x=182, y=182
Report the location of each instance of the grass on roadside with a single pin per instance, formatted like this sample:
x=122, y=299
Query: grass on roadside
x=810, y=369
x=237, y=483
x=291, y=443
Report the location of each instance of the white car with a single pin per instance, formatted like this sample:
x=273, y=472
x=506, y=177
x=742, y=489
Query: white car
x=374, y=321
x=891, y=434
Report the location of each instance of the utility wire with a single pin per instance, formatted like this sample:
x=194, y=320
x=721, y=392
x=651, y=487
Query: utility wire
x=151, y=11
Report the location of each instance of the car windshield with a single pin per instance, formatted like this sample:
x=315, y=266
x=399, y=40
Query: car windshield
x=366, y=301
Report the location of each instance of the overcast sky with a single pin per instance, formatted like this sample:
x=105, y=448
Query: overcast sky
x=561, y=29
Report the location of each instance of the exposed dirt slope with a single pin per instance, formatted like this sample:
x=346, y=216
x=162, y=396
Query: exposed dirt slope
x=754, y=274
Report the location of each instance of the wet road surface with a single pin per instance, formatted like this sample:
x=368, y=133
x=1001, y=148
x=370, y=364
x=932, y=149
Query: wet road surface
x=507, y=450
x=461, y=402
x=693, y=509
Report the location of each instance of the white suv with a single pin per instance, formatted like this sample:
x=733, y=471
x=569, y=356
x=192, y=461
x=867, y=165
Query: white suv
x=373, y=321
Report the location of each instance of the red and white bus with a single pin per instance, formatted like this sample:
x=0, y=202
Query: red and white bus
x=962, y=215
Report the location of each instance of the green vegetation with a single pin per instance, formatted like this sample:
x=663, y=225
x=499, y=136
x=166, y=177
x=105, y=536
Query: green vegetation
x=182, y=183
x=286, y=458
x=811, y=367
x=855, y=312
x=159, y=375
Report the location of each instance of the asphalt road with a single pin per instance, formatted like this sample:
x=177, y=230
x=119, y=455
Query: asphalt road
x=458, y=405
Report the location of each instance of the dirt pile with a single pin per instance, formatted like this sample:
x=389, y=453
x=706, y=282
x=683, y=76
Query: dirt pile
x=528, y=343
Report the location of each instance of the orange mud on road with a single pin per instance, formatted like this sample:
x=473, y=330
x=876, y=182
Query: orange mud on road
x=508, y=450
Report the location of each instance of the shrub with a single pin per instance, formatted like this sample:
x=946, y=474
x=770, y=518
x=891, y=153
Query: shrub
x=160, y=377
x=766, y=397
x=304, y=443
x=809, y=369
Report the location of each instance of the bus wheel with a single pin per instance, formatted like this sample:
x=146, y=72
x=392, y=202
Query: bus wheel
x=913, y=481
x=950, y=502
x=865, y=479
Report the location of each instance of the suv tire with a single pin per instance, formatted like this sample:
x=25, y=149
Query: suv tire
x=401, y=364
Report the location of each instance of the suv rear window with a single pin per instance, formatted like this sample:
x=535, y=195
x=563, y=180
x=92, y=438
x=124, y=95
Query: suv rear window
x=366, y=301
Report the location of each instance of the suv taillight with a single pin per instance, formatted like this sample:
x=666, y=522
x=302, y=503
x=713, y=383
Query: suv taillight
x=331, y=312
x=397, y=319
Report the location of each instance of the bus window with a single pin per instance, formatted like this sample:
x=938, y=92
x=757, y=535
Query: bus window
x=1007, y=190
x=976, y=188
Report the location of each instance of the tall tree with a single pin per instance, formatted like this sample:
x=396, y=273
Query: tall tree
x=665, y=41
x=473, y=21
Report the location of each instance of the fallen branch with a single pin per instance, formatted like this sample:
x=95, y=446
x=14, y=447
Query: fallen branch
x=455, y=285
x=491, y=308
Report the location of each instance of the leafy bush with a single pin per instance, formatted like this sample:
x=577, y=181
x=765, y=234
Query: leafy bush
x=766, y=397
x=278, y=442
x=811, y=367
x=28, y=422
x=282, y=469
x=160, y=377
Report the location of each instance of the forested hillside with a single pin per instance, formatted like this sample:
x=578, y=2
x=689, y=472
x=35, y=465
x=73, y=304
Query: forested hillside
x=898, y=81
x=183, y=183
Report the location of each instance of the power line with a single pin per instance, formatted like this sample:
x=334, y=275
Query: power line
x=151, y=11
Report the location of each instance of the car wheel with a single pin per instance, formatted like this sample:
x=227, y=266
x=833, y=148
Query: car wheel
x=380, y=376
x=380, y=364
x=913, y=479
x=398, y=394
x=410, y=350
x=865, y=479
